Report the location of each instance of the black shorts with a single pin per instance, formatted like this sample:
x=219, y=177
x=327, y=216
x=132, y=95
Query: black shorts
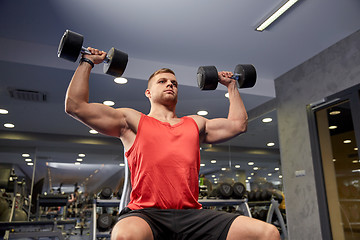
x=189, y=224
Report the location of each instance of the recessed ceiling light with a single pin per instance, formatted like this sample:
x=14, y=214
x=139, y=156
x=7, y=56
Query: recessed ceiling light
x=347, y=141
x=25, y=155
x=256, y=168
x=77, y=163
x=79, y=159
x=267, y=120
x=270, y=144
x=356, y=149
x=237, y=166
x=277, y=169
x=213, y=161
x=355, y=161
x=269, y=174
x=9, y=125
x=109, y=103
x=30, y=164
x=335, y=112
x=202, y=113
x=334, y=160
x=120, y=80
x=249, y=178
x=213, y=176
x=4, y=111
x=122, y=164
x=252, y=174
x=81, y=155
x=250, y=163
x=202, y=164
x=333, y=127
x=92, y=131
x=280, y=176
x=223, y=169
x=28, y=160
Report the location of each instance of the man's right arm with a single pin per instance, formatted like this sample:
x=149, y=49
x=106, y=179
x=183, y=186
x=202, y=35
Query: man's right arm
x=102, y=118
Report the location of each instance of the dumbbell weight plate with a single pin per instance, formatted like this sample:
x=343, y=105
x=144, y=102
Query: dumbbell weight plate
x=70, y=45
x=239, y=190
x=247, y=75
x=116, y=64
x=207, y=78
x=225, y=190
x=104, y=222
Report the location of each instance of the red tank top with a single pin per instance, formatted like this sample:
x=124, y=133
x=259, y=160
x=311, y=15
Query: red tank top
x=164, y=163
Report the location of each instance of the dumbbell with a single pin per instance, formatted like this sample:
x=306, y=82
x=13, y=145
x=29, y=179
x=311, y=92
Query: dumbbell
x=225, y=191
x=105, y=193
x=71, y=46
x=239, y=190
x=244, y=74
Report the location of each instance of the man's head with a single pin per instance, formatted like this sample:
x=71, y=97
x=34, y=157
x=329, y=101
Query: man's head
x=162, y=87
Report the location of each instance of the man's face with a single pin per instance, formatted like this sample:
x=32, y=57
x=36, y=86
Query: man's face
x=163, y=88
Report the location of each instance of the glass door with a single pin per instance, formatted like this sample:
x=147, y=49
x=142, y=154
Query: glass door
x=335, y=141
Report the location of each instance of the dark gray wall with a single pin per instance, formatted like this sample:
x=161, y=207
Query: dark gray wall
x=329, y=72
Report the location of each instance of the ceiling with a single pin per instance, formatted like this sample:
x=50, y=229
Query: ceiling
x=181, y=35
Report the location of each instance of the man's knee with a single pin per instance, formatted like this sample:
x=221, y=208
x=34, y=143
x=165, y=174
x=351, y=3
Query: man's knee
x=271, y=232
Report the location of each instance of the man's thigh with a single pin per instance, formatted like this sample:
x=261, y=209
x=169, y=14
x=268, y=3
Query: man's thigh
x=132, y=227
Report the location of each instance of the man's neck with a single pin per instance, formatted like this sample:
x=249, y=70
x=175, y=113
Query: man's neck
x=162, y=113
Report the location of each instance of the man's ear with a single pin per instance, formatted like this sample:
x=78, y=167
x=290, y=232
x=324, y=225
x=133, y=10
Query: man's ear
x=147, y=93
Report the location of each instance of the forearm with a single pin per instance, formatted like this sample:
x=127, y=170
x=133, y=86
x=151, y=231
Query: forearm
x=78, y=90
x=237, y=111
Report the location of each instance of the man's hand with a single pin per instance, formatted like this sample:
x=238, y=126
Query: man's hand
x=225, y=78
x=96, y=56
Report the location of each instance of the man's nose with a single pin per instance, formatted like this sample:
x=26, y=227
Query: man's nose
x=169, y=83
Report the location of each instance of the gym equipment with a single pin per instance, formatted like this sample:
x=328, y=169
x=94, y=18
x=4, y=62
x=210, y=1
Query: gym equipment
x=71, y=47
x=225, y=190
x=244, y=74
x=239, y=190
x=105, y=193
x=104, y=222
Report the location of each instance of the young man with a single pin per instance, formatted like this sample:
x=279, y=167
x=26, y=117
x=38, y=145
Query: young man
x=164, y=157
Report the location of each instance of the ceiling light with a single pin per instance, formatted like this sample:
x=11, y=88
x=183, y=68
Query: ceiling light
x=223, y=169
x=92, y=131
x=347, y=141
x=120, y=80
x=202, y=113
x=336, y=112
x=256, y=168
x=252, y=174
x=202, y=164
x=277, y=169
x=25, y=155
x=30, y=164
x=28, y=160
x=227, y=95
x=334, y=160
x=81, y=155
x=122, y=164
x=355, y=170
x=270, y=144
x=249, y=178
x=280, y=176
x=356, y=149
x=109, y=103
x=267, y=120
x=283, y=8
x=9, y=125
x=246, y=180
x=213, y=176
x=77, y=163
x=333, y=127
x=79, y=159
x=237, y=166
x=213, y=161
x=4, y=111
x=250, y=163
x=269, y=174
x=355, y=161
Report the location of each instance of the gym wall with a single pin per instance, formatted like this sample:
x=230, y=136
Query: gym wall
x=333, y=70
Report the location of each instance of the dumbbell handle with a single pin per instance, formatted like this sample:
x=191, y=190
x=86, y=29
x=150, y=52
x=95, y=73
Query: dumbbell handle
x=84, y=50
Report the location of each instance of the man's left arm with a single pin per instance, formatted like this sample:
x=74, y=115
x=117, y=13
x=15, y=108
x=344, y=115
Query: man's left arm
x=223, y=129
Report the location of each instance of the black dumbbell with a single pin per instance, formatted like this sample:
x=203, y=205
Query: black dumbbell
x=225, y=190
x=71, y=46
x=244, y=74
x=239, y=190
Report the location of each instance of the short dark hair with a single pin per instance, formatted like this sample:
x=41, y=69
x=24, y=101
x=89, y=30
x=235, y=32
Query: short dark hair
x=162, y=70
